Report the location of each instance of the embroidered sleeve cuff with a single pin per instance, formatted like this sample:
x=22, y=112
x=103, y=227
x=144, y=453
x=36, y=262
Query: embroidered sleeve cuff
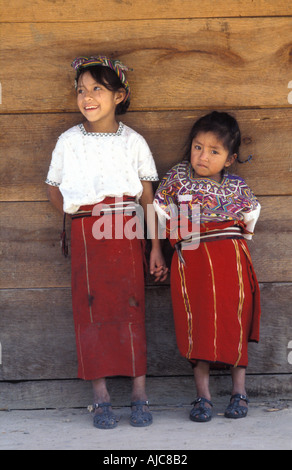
x=149, y=178
x=52, y=183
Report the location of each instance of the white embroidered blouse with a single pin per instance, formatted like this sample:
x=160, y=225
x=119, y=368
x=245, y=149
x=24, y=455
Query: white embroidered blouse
x=88, y=166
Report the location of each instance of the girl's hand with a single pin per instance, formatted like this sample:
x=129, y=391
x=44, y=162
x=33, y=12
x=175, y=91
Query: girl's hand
x=158, y=267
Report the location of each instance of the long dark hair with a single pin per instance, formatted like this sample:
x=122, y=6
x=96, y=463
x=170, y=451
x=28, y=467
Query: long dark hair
x=223, y=125
x=109, y=79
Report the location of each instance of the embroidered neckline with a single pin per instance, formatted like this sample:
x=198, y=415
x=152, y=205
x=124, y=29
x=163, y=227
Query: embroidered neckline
x=206, y=179
x=102, y=134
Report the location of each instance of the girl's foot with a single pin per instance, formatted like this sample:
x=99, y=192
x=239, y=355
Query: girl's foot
x=104, y=418
x=202, y=411
x=140, y=416
x=236, y=409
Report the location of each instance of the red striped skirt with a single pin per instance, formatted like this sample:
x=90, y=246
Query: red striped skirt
x=216, y=302
x=108, y=300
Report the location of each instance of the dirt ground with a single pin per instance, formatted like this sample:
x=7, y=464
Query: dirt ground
x=268, y=426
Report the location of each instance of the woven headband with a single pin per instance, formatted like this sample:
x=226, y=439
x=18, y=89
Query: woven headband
x=117, y=66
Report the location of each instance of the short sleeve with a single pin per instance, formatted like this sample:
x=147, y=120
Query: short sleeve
x=146, y=165
x=250, y=220
x=250, y=208
x=55, y=173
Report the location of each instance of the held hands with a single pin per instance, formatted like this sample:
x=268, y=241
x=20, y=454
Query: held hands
x=157, y=266
x=157, y=263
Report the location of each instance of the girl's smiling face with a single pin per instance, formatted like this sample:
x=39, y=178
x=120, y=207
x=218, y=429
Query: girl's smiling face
x=209, y=156
x=98, y=104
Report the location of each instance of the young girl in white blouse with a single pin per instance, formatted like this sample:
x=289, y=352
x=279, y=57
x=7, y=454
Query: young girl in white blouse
x=99, y=169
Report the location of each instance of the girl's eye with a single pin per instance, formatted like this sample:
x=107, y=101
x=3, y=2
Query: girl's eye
x=79, y=91
x=97, y=88
x=215, y=152
x=197, y=147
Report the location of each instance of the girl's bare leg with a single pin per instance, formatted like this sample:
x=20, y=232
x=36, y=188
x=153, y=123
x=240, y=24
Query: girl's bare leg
x=140, y=415
x=139, y=388
x=100, y=392
x=201, y=375
x=238, y=382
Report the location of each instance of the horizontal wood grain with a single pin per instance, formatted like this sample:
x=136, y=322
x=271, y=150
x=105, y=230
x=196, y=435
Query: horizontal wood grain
x=27, y=142
x=178, y=64
x=38, y=340
x=102, y=10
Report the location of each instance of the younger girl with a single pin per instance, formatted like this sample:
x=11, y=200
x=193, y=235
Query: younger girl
x=215, y=292
x=98, y=170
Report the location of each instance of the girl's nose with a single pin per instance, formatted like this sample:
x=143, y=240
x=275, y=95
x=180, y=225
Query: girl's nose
x=204, y=155
x=87, y=95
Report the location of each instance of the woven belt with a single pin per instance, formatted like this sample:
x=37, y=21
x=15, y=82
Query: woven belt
x=212, y=235
x=128, y=206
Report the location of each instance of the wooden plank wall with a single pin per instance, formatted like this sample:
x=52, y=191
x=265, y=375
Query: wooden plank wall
x=188, y=57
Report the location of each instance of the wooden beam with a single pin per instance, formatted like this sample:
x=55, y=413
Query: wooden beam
x=103, y=10
x=175, y=391
x=190, y=63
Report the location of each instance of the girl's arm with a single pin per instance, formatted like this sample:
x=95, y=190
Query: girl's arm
x=55, y=197
x=157, y=262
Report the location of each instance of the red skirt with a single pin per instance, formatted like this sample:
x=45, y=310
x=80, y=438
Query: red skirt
x=108, y=299
x=216, y=302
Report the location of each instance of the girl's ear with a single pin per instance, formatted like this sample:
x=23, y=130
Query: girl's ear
x=120, y=96
x=230, y=160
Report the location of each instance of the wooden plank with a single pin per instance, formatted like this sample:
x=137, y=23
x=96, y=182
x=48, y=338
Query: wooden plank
x=30, y=247
x=197, y=63
x=271, y=353
x=27, y=143
x=271, y=247
x=103, y=10
x=38, y=340
x=31, y=255
x=175, y=391
x=37, y=335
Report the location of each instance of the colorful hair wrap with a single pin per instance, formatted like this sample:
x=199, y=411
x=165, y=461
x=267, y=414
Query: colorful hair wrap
x=116, y=65
x=248, y=159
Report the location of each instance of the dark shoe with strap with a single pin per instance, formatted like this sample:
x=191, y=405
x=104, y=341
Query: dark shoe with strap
x=139, y=416
x=106, y=419
x=234, y=409
x=203, y=413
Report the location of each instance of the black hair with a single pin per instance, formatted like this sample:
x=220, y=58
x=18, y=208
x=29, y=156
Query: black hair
x=223, y=125
x=109, y=79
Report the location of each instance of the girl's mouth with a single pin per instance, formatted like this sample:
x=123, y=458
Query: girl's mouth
x=200, y=165
x=90, y=108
